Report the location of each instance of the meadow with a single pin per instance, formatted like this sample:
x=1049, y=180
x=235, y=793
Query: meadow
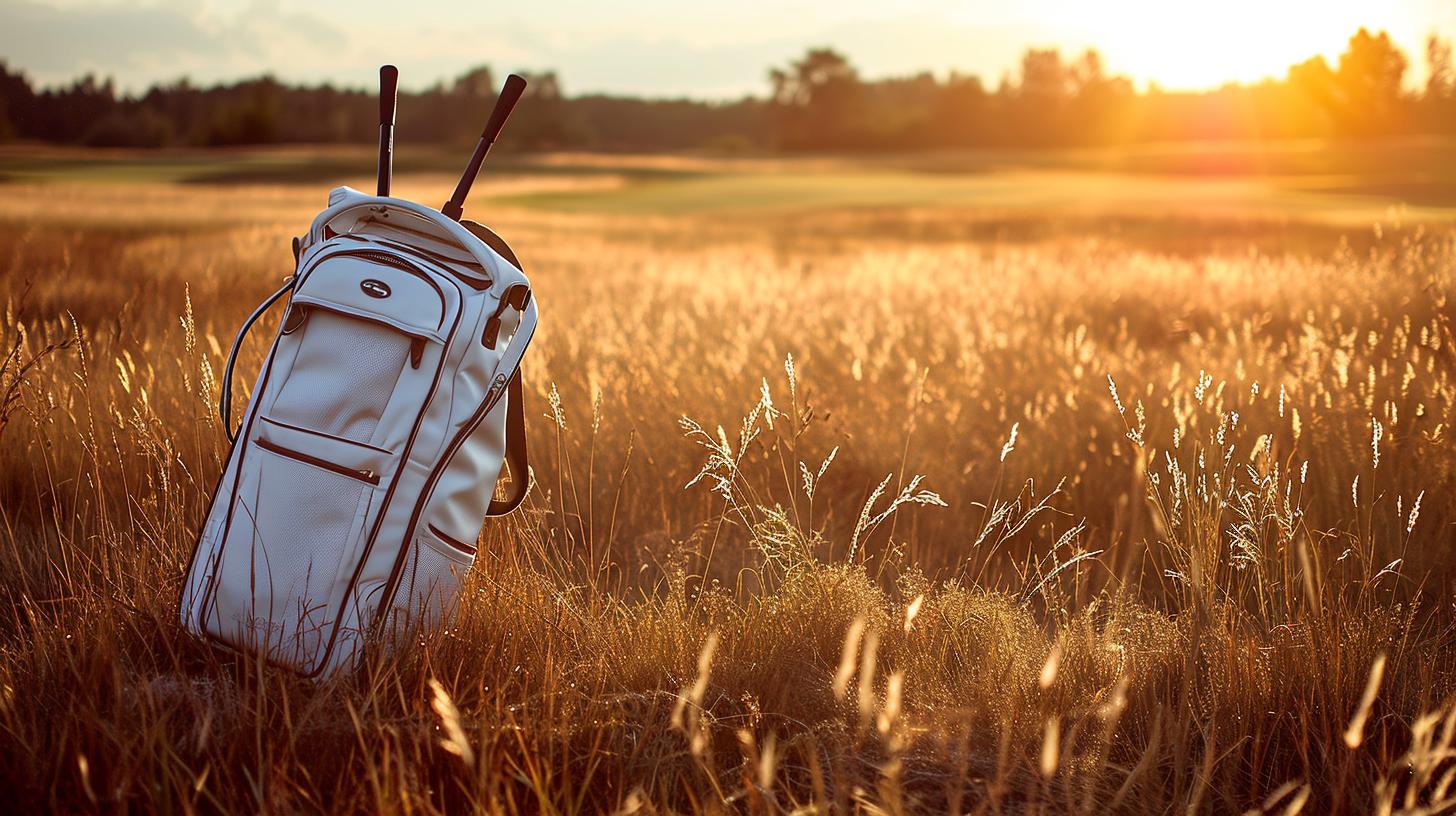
x=982, y=486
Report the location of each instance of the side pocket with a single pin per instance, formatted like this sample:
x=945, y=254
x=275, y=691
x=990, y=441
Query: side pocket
x=458, y=502
x=429, y=589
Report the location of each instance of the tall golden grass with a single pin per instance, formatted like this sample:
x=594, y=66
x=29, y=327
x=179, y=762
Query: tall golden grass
x=859, y=511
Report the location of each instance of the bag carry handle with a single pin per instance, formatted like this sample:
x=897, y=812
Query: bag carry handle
x=225, y=401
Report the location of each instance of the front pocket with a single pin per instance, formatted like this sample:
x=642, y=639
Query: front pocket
x=359, y=327
x=293, y=541
x=343, y=376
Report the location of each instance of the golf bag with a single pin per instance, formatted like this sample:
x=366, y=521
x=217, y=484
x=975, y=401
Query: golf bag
x=348, y=511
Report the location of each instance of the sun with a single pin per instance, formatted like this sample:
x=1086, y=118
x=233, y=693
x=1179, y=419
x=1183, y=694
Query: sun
x=1198, y=45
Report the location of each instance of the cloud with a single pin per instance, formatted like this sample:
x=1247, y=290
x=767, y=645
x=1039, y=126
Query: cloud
x=47, y=38
x=138, y=44
x=657, y=47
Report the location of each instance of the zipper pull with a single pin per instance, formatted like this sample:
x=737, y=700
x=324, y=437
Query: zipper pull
x=417, y=351
x=495, y=388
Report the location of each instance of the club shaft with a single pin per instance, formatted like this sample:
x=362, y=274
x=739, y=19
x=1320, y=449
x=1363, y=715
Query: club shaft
x=386, y=158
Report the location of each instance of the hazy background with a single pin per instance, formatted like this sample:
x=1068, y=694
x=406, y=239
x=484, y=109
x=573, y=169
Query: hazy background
x=661, y=48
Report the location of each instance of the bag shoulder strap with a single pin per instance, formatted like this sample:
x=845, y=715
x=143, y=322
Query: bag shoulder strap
x=225, y=400
x=515, y=450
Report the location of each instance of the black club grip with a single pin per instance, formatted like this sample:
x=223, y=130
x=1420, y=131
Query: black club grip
x=388, y=95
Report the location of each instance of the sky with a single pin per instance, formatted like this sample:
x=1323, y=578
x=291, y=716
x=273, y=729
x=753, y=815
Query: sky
x=659, y=48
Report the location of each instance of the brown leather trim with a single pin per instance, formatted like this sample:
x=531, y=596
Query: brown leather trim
x=468, y=549
x=488, y=237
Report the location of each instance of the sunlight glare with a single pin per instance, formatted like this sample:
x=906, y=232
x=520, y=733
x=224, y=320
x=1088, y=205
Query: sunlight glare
x=1198, y=45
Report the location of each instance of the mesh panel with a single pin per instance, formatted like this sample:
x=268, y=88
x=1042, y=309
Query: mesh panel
x=344, y=375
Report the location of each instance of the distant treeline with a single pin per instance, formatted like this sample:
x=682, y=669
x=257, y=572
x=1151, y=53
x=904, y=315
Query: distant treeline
x=819, y=102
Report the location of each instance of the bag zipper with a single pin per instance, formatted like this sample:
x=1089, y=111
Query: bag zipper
x=382, y=258
x=443, y=260
x=363, y=475
x=390, y=259
x=312, y=432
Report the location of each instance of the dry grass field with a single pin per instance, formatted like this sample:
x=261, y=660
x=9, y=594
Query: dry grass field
x=1044, y=508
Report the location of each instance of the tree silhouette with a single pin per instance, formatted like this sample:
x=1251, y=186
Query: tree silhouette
x=1369, y=77
x=477, y=83
x=817, y=102
x=1439, y=100
x=962, y=112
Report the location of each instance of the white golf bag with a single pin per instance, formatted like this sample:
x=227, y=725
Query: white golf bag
x=349, y=508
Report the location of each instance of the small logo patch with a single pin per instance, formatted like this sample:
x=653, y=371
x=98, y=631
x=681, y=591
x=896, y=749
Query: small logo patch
x=374, y=288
